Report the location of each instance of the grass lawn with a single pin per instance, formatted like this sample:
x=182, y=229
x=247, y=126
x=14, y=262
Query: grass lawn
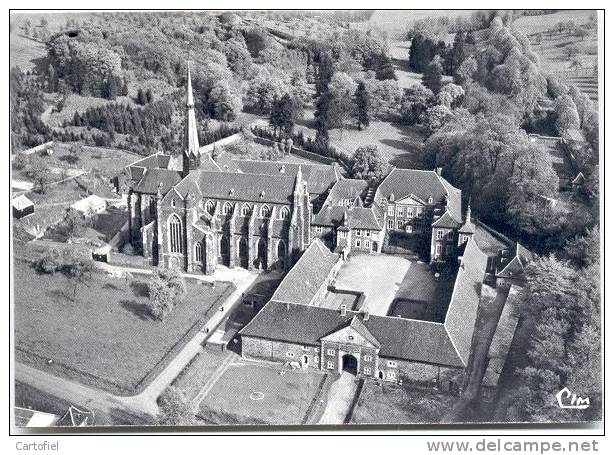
x=286, y=399
x=201, y=368
x=399, y=144
x=393, y=403
x=421, y=296
x=104, y=336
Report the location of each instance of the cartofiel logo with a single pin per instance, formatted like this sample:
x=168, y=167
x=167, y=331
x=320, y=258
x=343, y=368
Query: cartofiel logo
x=567, y=400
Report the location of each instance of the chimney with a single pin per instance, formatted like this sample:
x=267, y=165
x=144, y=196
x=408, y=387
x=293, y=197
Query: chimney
x=365, y=316
x=343, y=310
x=438, y=170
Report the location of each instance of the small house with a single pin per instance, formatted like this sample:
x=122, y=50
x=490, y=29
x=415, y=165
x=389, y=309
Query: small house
x=91, y=205
x=22, y=206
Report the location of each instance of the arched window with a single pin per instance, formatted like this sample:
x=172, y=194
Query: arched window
x=210, y=207
x=198, y=252
x=245, y=210
x=284, y=213
x=265, y=211
x=281, y=250
x=227, y=208
x=175, y=234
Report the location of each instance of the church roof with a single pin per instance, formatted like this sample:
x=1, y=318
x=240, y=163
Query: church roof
x=318, y=177
x=422, y=184
x=154, y=179
x=308, y=274
x=256, y=188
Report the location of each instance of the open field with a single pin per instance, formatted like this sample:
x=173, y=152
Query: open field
x=252, y=393
x=552, y=47
x=195, y=375
x=399, y=144
x=400, y=404
x=104, y=335
x=396, y=22
x=26, y=53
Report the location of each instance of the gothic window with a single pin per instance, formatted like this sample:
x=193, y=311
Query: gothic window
x=284, y=214
x=198, y=252
x=175, y=234
x=173, y=203
x=245, y=210
x=281, y=249
x=210, y=207
x=227, y=208
x=265, y=211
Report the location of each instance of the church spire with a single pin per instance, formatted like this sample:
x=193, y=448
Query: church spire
x=191, y=153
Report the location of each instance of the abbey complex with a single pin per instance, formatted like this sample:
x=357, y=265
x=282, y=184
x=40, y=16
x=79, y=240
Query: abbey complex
x=195, y=214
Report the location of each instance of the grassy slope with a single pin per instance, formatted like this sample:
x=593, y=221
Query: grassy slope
x=105, y=331
x=25, y=52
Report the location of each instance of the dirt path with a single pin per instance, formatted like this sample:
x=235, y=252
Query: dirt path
x=340, y=398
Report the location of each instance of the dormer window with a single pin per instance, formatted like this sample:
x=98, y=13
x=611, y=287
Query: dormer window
x=173, y=203
x=430, y=199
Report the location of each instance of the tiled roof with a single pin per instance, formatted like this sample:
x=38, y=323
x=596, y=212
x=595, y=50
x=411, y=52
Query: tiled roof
x=400, y=338
x=164, y=179
x=358, y=217
x=319, y=178
x=422, y=184
x=516, y=266
x=346, y=189
x=239, y=187
x=308, y=274
x=462, y=312
x=446, y=221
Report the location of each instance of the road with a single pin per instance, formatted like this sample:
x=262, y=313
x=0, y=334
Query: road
x=340, y=398
x=142, y=406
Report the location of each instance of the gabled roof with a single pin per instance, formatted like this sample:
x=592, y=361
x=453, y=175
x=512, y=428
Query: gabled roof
x=421, y=184
x=462, y=312
x=358, y=217
x=400, y=338
x=318, y=177
x=155, y=161
x=358, y=326
x=21, y=202
x=516, y=266
x=88, y=203
x=446, y=221
x=346, y=189
x=467, y=228
x=308, y=274
x=154, y=179
x=256, y=188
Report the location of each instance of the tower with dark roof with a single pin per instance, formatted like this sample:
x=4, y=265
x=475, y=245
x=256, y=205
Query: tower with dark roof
x=191, y=153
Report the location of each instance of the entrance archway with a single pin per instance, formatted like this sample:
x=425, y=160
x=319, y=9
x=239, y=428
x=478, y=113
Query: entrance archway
x=374, y=247
x=349, y=364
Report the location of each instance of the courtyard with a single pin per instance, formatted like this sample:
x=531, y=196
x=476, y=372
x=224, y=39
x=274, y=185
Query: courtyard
x=377, y=276
x=103, y=336
x=252, y=393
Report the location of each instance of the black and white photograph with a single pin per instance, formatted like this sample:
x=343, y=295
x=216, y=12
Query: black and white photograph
x=273, y=220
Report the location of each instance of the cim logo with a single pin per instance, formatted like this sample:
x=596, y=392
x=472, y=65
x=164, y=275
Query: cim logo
x=567, y=400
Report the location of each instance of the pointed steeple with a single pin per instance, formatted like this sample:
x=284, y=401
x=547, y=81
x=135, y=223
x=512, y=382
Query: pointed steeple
x=191, y=153
x=468, y=227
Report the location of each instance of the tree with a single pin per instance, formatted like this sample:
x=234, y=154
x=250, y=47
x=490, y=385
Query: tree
x=584, y=249
x=41, y=174
x=363, y=104
x=166, y=289
x=48, y=262
x=451, y=96
x=432, y=75
x=367, y=164
x=571, y=51
x=175, y=408
x=566, y=114
x=416, y=100
x=141, y=97
x=224, y=103
x=436, y=117
x=125, y=87
x=77, y=271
